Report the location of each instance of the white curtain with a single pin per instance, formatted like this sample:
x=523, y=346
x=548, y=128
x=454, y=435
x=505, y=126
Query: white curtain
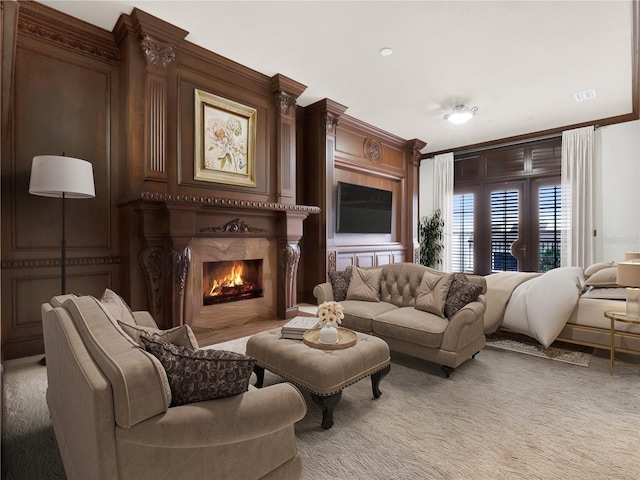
x=443, y=199
x=577, y=208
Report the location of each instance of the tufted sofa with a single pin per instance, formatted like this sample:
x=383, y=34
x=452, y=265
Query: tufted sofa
x=110, y=401
x=409, y=330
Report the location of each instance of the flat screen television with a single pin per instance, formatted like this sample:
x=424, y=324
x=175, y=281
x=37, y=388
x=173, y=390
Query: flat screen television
x=363, y=209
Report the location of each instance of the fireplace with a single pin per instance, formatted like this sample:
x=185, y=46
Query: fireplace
x=231, y=281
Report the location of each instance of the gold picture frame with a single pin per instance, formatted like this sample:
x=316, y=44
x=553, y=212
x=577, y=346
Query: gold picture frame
x=225, y=140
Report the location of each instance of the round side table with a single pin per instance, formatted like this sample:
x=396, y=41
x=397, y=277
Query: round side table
x=618, y=317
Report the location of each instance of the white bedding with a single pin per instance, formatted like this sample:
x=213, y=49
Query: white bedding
x=540, y=307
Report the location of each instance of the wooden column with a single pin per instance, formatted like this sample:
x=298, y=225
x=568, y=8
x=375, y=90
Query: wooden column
x=321, y=120
x=413, y=191
x=285, y=92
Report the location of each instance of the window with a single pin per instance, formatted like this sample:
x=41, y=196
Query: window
x=506, y=211
x=462, y=242
x=549, y=227
x=504, y=229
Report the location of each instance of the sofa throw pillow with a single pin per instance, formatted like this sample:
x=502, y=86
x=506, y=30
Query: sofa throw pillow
x=365, y=284
x=181, y=335
x=607, y=277
x=461, y=293
x=340, y=284
x=432, y=292
x=117, y=307
x=199, y=375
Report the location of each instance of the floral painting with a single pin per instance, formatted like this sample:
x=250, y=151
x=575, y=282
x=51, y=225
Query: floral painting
x=225, y=140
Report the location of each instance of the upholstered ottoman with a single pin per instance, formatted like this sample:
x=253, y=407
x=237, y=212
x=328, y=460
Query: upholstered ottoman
x=324, y=373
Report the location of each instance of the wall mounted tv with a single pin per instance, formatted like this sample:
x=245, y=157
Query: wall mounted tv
x=363, y=209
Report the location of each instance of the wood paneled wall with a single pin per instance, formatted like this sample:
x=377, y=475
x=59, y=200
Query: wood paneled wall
x=63, y=90
x=340, y=148
x=124, y=100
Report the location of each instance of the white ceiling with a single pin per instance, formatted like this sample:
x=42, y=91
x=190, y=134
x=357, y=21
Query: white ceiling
x=519, y=61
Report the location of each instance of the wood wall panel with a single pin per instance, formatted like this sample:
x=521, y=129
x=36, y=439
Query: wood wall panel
x=64, y=100
x=61, y=106
x=186, y=128
x=339, y=148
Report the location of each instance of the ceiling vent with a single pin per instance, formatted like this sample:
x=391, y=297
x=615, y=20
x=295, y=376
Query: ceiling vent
x=586, y=95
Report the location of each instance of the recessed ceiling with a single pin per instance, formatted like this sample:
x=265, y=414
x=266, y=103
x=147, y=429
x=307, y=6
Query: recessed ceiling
x=520, y=62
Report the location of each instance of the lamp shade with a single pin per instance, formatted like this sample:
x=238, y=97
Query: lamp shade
x=629, y=273
x=52, y=175
x=631, y=256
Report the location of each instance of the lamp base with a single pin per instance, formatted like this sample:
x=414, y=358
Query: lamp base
x=633, y=302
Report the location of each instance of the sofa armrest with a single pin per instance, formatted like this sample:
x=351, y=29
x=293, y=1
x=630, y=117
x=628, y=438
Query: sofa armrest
x=144, y=319
x=253, y=414
x=323, y=292
x=463, y=325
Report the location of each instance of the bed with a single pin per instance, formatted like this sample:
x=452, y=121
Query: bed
x=565, y=304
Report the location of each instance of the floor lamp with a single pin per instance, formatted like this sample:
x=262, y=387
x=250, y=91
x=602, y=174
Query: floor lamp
x=62, y=177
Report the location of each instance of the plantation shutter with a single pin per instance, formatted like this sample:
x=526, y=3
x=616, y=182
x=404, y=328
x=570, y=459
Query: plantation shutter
x=549, y=201
x=504, y=229
x=462, y=234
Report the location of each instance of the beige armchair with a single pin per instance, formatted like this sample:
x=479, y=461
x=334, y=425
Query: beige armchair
x=109, y=404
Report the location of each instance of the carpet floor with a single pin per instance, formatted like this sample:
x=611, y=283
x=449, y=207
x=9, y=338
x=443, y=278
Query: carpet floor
x=503, y=415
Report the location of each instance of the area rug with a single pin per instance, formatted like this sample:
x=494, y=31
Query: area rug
x=499, y=416
x=559, y=351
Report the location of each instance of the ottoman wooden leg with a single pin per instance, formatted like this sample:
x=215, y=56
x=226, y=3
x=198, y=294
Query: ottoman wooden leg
x=259, y=371
x=375, y=380
x=327, y=404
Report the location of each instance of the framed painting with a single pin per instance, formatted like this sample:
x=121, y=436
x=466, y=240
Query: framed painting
x=225, y=140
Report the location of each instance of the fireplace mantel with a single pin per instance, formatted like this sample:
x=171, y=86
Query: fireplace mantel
x=167, y=225
x=213, y=201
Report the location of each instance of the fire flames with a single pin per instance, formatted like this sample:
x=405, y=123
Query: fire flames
x=232, y=279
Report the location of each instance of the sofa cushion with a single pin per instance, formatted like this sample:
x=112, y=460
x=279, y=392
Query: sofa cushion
x=461, y=292
x=358, y=314
x=117, y=307
x=400, y=282
x=432, y=293
x=410, y=325
x=365, y=284
x=340, y=284
x=199, y=375
x=181, y=335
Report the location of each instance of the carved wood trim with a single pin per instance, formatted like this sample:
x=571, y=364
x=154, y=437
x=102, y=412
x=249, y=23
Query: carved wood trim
x=216, y=202
x=181, y=266
x=235, y=226
x=55, y=27
x=373, y=149
x=331, y=123
x=158, y=55
x=151, y=261
x=56, y=262
x=286, y=104
x=332, y=261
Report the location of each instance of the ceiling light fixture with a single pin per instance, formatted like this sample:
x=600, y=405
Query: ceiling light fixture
x=386, y=51
x=461, y=114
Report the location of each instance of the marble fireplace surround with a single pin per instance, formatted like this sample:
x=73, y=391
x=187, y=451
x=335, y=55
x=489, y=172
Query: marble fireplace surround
x=179, y=232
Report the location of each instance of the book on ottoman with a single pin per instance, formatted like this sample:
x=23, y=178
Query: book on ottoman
x=296, y=327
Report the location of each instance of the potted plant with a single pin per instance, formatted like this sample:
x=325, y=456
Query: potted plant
x=430, y=236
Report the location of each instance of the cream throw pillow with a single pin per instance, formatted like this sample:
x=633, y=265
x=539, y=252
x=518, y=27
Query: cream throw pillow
x=365, y=284
x=181, y=335
x=607, y=277
x=431, y=295
x=117, y=307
